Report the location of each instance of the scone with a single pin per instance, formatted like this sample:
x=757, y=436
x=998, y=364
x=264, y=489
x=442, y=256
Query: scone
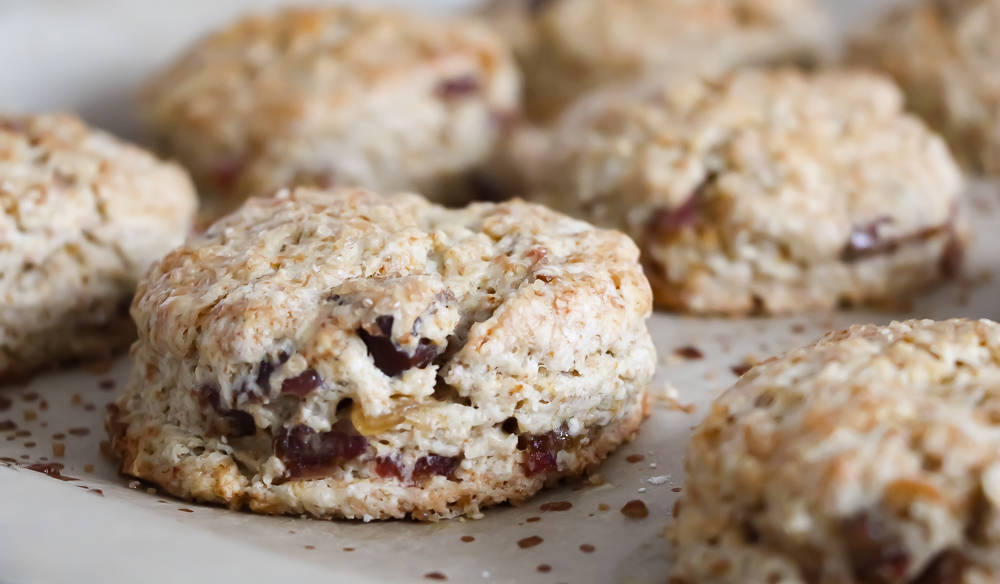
x=946, y=56
x=334, y=96
x=345, y=354
x=870, y=457
x=82, y=216
x=568, y=47
x=762, y=192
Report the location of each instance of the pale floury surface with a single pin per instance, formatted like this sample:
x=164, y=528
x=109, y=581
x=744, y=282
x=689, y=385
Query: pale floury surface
x=344, y=354
x=767, y=192
x=568, y=47
x=82, y=215
x=334, y=96
x=946, y=56
x=870, y=456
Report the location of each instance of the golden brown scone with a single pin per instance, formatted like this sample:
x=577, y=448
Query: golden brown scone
x=334, y=96
x=946, y=56
x=345, y=354
x=761, y=191
x=872, y=456
x=569, y=47
x=82, y=215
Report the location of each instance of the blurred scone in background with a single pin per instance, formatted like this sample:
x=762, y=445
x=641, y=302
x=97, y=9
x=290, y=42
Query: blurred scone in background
x=91, y=55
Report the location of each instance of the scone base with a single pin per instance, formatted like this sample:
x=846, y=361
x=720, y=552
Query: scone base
x=145, y=453
x=68, y=346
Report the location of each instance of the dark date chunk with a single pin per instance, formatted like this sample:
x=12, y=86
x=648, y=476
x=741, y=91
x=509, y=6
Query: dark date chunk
x=226, y=175
x=542, y=450
x=386, y=467
x=952, y=258
x=946, y=568
x=866, y=241
x=875, y=556
x=302, y=384
x=266, y=368
x=307, y=453
x=389, y=358
x=666, y=221
x=435, y=465
x=485, y=187
x=237, y=423
x=457, y=87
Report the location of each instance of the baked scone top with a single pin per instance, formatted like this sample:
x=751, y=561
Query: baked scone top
x=568, y=47
x=870, y=456
x=264, y=76
x=807, y=160
x=366, y=291
x=632, y=32
x=77, y=199
x=946, y=55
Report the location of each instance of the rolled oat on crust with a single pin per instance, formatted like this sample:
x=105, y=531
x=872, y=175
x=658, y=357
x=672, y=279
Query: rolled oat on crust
x=345, y=354
x=569, y=47
x=82, y=216
x=872, y=456
x=765, y=192
x=335, y=95
x=946, y=56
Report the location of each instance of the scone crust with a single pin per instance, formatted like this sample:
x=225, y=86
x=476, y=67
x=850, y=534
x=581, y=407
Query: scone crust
x=569, y=47
x=870, y=456
x=762, y=191
x=505, y=344
x=335, y=95
x=83, y=215
x=945, y=54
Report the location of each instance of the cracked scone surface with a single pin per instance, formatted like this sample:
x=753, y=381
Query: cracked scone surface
x=872, y=456
x=83, y=216
x=946, y=56
x=762, y=192
x=334, y=96
x=345, y=354
x=568, y=47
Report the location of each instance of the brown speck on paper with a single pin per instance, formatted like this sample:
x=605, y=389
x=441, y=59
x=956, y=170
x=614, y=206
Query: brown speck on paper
x=690, y=353
x=635, y=509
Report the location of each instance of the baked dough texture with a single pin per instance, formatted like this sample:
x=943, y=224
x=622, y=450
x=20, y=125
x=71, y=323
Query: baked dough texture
x=346, y=354
x=335, y=95
x=82, y=216
x=567, y=48
x=872, y=456
x=946, y=56
x=767, y=192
